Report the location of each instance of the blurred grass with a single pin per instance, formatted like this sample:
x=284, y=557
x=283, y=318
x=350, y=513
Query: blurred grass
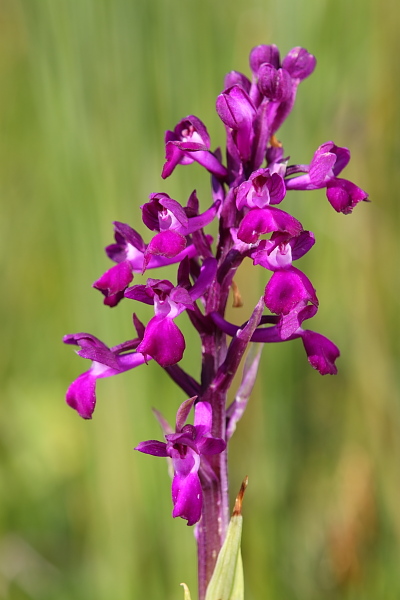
x=88, y=89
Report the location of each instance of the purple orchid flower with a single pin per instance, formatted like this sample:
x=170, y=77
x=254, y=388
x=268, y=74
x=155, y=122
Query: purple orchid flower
x=237, y=78
x=190, y=142
x=282, y=249
x=328, y=161
x=321, y=352
x=106, y=362
x=237, y=111
x=274, y=89
x=261, y=189
x=299, y=63
x=132, y=256
x=167, y=216
x=274, y=84
x=186, y=447
x=287, y=294
x=163, y=340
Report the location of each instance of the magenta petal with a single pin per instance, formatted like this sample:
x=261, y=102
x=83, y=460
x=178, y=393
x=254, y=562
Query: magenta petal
x=264, y=54
x=211, y=446
x=209, y=161
x=203, y=417
x=321, y=352
x=237, y=78
x=341, y=154
x=163, y=341
x=185, y=464
x=302, y=244
x=153, y=447
x=192, y=129
x=187, y=497
x=141, y=293
x=299, y=63
x=93, y=349
x=277, y=188
x=208, y=272
x=344, y=195
x=286, y=289
x=199, y=221
x=173, y=156
x=114, y=281
x=81, y=395
x=274, y=84
x=321, y=166
x=259, y=221
x=238, y=112
x=291, y=322
x=172, y=206
x=189, y=136
x=166, y=243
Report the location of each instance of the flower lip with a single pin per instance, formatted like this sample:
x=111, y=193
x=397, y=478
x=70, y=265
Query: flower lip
x=259, y=221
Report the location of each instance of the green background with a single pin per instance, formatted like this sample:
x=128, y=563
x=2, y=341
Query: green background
x=88, y=88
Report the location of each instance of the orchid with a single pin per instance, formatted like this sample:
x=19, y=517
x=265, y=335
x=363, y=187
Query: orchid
x=81, y=394
x=247, y=185
x=328, y=161
x=185, y=447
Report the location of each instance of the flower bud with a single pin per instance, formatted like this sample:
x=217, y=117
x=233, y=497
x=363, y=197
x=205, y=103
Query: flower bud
x=264, y=54
x=299, y=63
x=274, y=84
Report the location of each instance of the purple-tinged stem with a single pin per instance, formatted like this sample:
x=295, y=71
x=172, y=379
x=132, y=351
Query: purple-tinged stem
x=215, y=515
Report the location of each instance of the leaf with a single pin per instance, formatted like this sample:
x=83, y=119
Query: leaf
x=226, y=582
x=187, y=593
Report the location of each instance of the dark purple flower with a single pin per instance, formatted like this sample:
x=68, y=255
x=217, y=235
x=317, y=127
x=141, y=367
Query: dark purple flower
x=166, y=215
x=187, y=143
x=132, y=255
x=274, y=84
x=261, y=189
x=185, y=447
x=162, y=339
x=237, y=78
x=264, y=54
x=328, y=161
x=81, y=394
x=299, y=63
x=282, y=249
x=238, y=112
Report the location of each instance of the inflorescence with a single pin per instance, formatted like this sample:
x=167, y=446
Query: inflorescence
x=246, y=189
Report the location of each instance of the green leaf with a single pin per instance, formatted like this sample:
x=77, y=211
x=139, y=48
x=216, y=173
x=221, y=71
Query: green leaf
x=226, y=582
x=187, y=593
